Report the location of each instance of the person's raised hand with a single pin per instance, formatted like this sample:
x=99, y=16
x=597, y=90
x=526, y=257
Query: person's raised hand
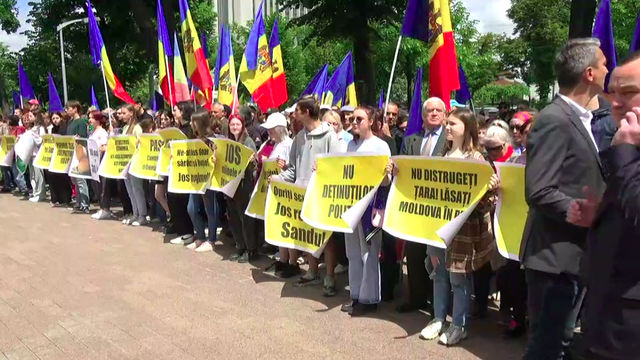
x=629, y=129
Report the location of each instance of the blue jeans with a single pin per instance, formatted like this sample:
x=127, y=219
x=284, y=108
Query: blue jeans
x=554, y=303
x=82, y=193
x=443, y=282
x=19, y=178
x=196, y=203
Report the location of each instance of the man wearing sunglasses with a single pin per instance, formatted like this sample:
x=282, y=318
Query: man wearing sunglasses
x=428, y=142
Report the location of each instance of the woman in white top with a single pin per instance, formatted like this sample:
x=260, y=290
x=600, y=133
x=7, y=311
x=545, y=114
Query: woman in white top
x=36, y=174
x=98, y=123
x=364, y=266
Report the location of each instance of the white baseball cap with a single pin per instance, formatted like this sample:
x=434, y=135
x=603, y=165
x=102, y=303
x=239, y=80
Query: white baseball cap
x=291, y=109
x=274, y=120
x=325, y=107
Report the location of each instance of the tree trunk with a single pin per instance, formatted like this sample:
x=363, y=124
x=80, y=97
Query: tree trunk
x=364, y=76
x=167, y=6
x=142, y=16
x=582, y=15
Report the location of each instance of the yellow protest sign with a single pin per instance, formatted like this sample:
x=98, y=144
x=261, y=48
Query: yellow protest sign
x=116, y=159
x=7, y=142
x=191, y=167
x=145, y=161
x=232, y=159
x=164, y=159
x=431, y=198
x=258, y=200
x=283, y=224
x=341, y=189
x=45, y=153
x=62, y=154
x=511, y=211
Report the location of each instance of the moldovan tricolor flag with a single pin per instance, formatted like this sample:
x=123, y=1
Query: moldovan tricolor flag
x=225, y=77
x=197, y=65
x=430, y=21
x=165, y=75
x=99, y=54
x=180, y=82
x=280, y=94
x=255, y=69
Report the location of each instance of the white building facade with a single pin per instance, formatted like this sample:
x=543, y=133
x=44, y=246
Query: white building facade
x=243, y=11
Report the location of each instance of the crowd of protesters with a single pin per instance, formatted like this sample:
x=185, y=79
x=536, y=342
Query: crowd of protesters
x=583, y=139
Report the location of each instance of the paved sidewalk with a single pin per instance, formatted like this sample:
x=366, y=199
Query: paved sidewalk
x=76, y=288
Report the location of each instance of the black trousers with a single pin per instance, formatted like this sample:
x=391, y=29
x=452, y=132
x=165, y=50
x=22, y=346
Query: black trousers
x=180, y=219
x=389, y=268
x=513, y=291
x=482, y=286
x=60, y=187
x=420, y=285
x=242, y=226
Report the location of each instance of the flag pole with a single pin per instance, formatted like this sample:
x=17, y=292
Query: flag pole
x=393, y=70
x=106, y=91
x=166, y=63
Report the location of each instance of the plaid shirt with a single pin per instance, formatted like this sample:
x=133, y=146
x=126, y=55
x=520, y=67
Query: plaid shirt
x=473, y=246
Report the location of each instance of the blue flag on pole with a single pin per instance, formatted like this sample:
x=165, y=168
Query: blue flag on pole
x=381, y=100
x=415, y=113
x=603, y=30
x=463, y=95
x=94, y=99
x=55, y=105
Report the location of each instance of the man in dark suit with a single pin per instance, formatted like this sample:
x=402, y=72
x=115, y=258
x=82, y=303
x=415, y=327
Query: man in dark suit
x=562, y=159
x=428, y=142
x=612, y=305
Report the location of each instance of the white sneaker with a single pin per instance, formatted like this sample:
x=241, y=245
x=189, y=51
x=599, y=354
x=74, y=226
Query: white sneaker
x=453, y=335
x=192, y=246
x=182, y=240
x=432, y=330
x=34, y=199
x=97, y=215
x=205, y=247
x=102, y=215
x=127, y=220
x=140, y=221
x=341, y=269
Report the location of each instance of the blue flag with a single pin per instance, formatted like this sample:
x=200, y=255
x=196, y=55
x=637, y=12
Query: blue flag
x=635, y=43
x=415, y=113
x=381, y=100
x=16, y=100
x=603, y=30
x=463, y=95
x=26, y=91
x=416, y=20
x=317, y=84
x=55, y=105
x=94, y=99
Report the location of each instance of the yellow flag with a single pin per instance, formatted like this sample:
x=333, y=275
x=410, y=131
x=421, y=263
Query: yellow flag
x=259, y=196
x=191, y=167
x=341, y=189
x=145, y=160
x=511, y=211
x=116, y=159
x=62, y=153
x=283, y=225
x=431, y=198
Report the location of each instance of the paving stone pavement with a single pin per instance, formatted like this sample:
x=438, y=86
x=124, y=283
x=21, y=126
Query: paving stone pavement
x=75, y=288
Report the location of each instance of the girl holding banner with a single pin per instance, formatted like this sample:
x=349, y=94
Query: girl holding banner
x=101, y=188
x=59, y=184
x=135, y=185
x=471, y=248
x=364, y=265
x=36, y=174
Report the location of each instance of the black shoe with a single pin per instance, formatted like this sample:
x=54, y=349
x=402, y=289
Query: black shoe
x=290, y=271
x=267, y=250
x=348, y=307
x=236, y=256
x=5, y=191
x=361, y=309
x=169, y=229
x=409, y=308
x=515, y=330
x=248, y=256
x=276, y=267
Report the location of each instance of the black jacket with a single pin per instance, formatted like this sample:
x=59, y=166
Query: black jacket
x=603, y=126
x=561, y=161
x=612, y=305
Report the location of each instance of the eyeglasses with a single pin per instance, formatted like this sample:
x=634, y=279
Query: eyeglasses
x=493, y=149
x=359, y=119
x=515, y=127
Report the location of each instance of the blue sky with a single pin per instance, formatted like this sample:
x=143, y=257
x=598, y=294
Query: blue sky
x=492, y=15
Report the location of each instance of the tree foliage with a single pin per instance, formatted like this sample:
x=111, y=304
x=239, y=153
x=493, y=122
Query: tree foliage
x=494, y=94
x=9, y=16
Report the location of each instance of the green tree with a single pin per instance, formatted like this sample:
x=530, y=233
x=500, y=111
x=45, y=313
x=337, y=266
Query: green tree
x=353, y=20
x=8, y=16
x=543, y=25
x=625, y=15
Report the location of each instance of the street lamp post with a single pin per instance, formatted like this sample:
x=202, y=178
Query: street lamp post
x=64, y=70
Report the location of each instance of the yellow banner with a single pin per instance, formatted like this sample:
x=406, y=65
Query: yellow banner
x=164, y=159
x=259, y=196
x=431, y=198
x=341, y=189
x=45, y=153
x=145, y=161
x=7, y=142
x=191, y=167
x=284, y=225
x=232, y=159
x=511, y=211
x=62, y=153
x=116, y=159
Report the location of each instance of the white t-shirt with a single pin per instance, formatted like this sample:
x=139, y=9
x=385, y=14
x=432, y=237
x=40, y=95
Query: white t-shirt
x=282, y=150
x=372, y=145
x=100, y=136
